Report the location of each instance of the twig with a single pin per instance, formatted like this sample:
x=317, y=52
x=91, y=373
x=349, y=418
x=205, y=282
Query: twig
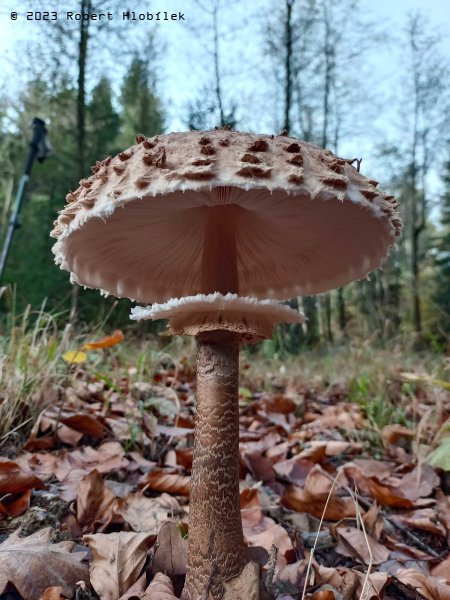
x=322, y=518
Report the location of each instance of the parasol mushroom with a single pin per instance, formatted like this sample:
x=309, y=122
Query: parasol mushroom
x=213, y=228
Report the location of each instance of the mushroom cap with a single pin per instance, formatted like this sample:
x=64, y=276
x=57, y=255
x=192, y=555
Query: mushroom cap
x=253, y=319
x=307, y=221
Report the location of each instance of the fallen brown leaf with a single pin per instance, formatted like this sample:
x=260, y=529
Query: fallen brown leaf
x=313, y=497
x=14, y=505
x=317, y=450
x=147, y=514
x=353, y=543
x=384, y=494
x=418, y=483
x=171, y=552
x=96, y=504
x=442, y=569
x=13, y=479
x=85, y=424
x=161, y=481
x=136, y=590
x=391, y=434
x=33, y=563
x=160, y=589
x=266, y=534
x=117, y=561
x=52, y=593
x=74, y=465
x=323, y=595
x=277, y=403
x=432, y=588
x=424, y=519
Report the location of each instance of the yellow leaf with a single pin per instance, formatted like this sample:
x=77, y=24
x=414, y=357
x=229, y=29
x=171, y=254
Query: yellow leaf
x=106, y=342
x=73, y=357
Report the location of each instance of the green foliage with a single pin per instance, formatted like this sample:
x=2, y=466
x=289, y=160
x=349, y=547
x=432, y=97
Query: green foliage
x=379, y=409
x=30, y=362
x=103, y=122
x=141, y=108
x=442, y=260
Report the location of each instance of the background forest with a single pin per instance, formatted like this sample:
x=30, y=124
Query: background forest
x=326, y=71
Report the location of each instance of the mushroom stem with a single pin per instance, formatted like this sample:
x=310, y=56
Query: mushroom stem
x=216, y=543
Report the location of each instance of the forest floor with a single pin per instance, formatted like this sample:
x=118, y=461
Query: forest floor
x=345, y=478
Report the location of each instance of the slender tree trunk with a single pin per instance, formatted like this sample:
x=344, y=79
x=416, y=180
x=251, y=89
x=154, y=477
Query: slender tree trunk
x=216, y=63
x=327, y=309
x=328, y=77
x=312, y=323
x=288, y=67
x=86, y=7
x=341, y=310
x=415, y=227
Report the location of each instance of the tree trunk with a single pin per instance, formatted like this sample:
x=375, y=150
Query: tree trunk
x=312, y=323
x=288, y=67
x=216, y=64
x=327, y=308
x=341, y=310
x=86, y=7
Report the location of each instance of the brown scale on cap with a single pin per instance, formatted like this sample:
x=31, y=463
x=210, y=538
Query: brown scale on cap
x=140, y=138
x=157, y=158
x=258, y=146
x=296, y=160
x=251, y=158
x=204, y=141
x=143, y=182
x=87, y=202
x=197, y=174
x=335, y=182
x=65, y=219
x=70, y=197
x=201, y=162
x=296, y=178
x=86, y=183
x=119, y=169
x=294, y=147
x=263, y=172
x=123, y=156
x=207, y=150
x=224, y=142
x=148, y=144
x=369, y=194
x=337, y=166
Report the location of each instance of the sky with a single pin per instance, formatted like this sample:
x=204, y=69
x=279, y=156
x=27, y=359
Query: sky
x=184, y=64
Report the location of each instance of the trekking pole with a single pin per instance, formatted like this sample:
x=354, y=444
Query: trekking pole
x=40, y=148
